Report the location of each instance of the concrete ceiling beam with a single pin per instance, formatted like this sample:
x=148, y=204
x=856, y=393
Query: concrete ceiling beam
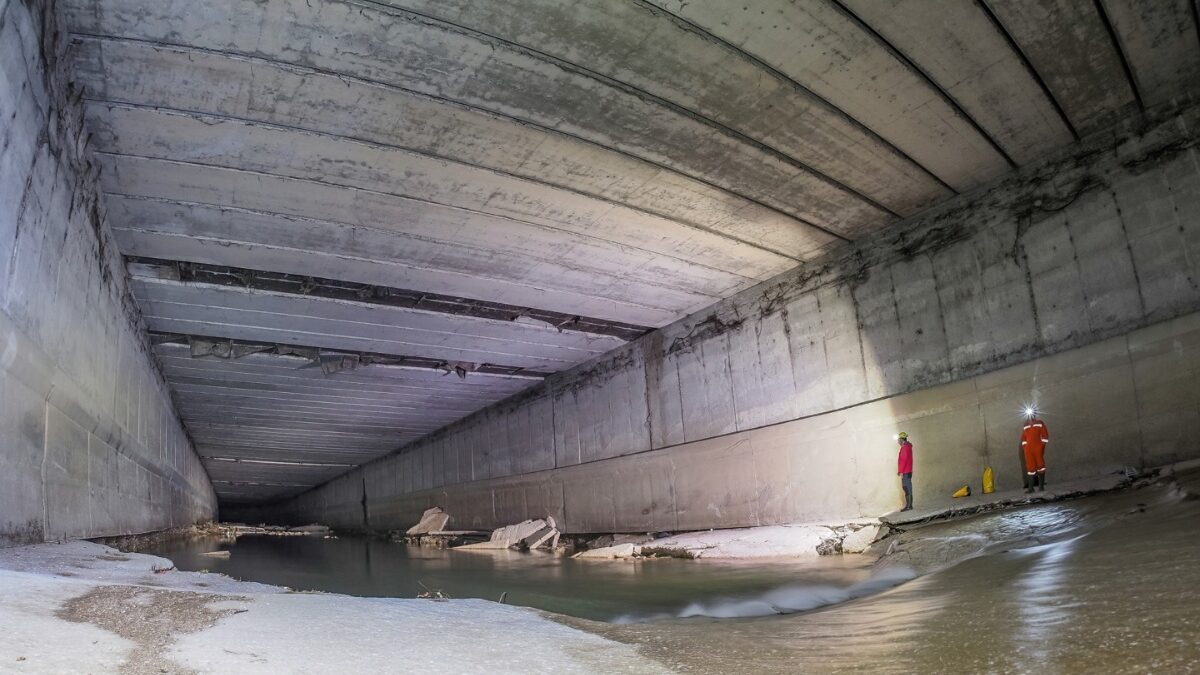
x=820, y=46
x=392, y=402
x=302, y=241
x=706, y=218
x=960, y=47
x=289, y=319
x=383, y=296
x=664, y=58
x=1068, y=44
x=471, y=69
x=276, y=462
x=1159, y=42
x=433, y=397
x=435, y=194
x=393, y=378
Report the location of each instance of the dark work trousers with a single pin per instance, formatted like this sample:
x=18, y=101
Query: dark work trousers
x=906, y=482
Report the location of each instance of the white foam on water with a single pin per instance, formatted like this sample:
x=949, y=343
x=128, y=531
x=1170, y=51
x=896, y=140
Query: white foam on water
x=782, y=600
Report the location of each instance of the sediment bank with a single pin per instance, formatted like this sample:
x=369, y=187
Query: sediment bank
x=72, y=608
x=82, y=606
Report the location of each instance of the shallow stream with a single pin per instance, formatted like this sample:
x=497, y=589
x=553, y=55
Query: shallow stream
x=1105, y=584
x=601, y=590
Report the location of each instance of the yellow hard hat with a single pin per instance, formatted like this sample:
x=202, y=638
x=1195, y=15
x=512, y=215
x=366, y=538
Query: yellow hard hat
x=903, y=435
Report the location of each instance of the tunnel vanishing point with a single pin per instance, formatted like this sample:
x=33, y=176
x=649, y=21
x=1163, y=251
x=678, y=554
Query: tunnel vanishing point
x=639, y=265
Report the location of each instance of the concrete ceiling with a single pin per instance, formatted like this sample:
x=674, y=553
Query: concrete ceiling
x=527, y=183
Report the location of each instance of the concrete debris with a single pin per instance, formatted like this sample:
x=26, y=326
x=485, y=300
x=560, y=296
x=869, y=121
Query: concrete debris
x=858, y=540
x=603, y=541
x=548, y=540
x=310, y=529
x=433, y=520
x=235, y=531
x=432, y=593
x=797, y=540
x=753, y=542
x=618, y=551
x=528, y=534
x=832, y=546
x=443, y=539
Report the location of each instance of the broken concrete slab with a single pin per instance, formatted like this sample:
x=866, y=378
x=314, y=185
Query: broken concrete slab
x=510, y=535
x=617, y=551
x=548, y=538
x=433, y=520
x=858, y=540
x=752, y=542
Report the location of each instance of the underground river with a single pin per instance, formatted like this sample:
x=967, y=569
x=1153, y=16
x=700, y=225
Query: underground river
x=1108, y=583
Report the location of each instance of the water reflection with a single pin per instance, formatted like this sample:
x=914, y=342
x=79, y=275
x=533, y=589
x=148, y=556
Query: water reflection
x=1042, y=599
x=596, y=589
x=783, y=600
x=1105, y=585
x=1109, y=584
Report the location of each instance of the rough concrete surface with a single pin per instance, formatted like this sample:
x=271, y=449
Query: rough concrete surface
x=89, y=440
x=1065, y=286
x=636, y=162
x=825, y=221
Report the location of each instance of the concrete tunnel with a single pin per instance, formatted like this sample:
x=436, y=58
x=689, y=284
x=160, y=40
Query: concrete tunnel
x=638, y=265
x=641, y=266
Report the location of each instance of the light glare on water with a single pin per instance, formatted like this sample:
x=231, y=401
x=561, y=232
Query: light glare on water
x=1108, y=584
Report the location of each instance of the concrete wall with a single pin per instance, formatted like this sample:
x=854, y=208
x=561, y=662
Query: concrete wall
x=1071, y=284
x=90, y=444
x=837, y=464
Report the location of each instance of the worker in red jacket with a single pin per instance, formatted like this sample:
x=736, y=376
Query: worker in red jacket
x=904, y=466
x=1034, y=438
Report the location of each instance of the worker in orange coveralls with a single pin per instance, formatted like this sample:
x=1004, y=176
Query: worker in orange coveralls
x=1034, y=438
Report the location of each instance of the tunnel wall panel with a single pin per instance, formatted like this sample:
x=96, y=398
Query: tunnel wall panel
x=90, y=444
x=1072, y=284
x=840, y=464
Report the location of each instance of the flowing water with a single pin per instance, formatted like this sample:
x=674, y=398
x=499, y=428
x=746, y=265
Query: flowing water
x=1107, y=584
x=602, y=590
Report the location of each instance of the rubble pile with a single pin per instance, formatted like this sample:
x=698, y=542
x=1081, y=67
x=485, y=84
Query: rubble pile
x=525, y=535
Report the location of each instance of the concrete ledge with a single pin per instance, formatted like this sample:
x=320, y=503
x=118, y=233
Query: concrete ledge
x=944, y=507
